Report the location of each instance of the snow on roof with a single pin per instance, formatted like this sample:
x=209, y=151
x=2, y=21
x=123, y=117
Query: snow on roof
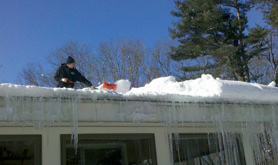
x=204, y=89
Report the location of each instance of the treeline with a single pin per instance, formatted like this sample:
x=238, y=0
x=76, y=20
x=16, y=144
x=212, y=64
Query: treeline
x=114, y=60
x=210, y=37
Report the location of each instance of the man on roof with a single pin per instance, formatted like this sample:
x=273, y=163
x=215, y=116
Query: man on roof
x=67, y=75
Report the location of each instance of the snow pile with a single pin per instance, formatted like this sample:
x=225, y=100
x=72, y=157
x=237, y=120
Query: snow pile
x=123, y=86
x=205, y=88
x=272, y=84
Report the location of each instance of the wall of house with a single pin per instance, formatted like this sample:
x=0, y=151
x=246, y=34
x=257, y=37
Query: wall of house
x=116, y=117
x=51, y=148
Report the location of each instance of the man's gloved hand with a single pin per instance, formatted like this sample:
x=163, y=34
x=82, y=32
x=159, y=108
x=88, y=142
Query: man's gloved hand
x=64, y=80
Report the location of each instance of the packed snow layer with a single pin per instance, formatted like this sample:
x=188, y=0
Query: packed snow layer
x=8, y=90
x=204, y=89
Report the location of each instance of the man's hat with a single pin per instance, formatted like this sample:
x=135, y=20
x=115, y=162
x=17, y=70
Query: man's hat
x=70, y=60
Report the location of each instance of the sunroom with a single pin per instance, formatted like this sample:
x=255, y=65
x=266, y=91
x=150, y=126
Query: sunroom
x=202, y=121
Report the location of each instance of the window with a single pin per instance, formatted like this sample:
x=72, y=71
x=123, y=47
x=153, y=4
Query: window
x=203, y=149
x=122, y=149
x=264, y=148
x=20, y=149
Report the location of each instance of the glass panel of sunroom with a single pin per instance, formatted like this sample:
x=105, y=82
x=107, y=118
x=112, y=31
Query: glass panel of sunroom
x=20, y=149
x=116, y=149
x=202, y=149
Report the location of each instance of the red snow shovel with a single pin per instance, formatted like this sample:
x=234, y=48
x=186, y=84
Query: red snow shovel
x=109, y=86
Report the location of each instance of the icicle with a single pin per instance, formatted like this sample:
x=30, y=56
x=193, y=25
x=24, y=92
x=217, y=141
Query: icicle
x=73, y=103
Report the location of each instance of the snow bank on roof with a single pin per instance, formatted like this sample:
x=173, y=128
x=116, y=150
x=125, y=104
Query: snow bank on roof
x=206, y=86
x=204, y=89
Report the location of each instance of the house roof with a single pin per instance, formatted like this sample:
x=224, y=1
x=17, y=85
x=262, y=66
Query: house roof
x=165, y=89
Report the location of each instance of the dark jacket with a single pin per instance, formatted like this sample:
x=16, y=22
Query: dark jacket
x=72, y=74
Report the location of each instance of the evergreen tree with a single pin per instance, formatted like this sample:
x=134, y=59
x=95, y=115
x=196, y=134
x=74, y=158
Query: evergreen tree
x=216, y=30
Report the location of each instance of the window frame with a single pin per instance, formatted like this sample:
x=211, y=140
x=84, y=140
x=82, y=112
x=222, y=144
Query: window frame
x=207, y=136
x=37, y=139
x=65, y=137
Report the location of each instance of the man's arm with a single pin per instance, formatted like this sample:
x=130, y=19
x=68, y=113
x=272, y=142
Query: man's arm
x=82, y=79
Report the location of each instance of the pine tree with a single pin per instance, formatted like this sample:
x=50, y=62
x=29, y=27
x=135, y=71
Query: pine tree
x=216, y=30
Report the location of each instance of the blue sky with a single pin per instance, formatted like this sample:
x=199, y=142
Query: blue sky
x=31, y=29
